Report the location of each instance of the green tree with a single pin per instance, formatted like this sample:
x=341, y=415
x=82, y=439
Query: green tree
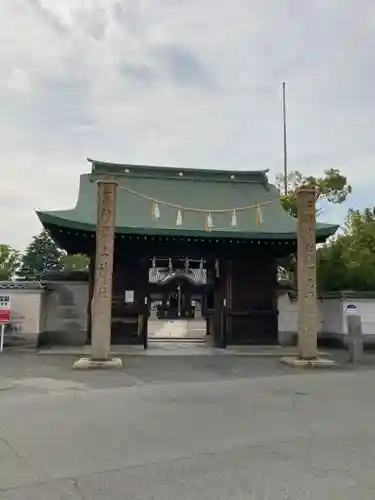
x=9, y=262
x=77, y=262
x=331, y=266
x=41, y=255
x=333, y=187
x=348, y=261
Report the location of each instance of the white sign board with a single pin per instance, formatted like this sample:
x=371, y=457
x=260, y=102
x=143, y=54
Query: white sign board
x=5, y=314
x=129, y=296
x=351, y=309
x=5, y=308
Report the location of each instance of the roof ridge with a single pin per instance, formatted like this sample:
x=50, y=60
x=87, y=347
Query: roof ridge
x=165, y=168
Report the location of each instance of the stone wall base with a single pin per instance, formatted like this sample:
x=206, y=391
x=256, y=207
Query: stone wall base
x=332, y=340
x=341, y=341
x=70, y=338
x=27, y=340
x=287, y=338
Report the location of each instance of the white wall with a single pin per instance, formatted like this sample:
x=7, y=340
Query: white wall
x=288, y=318
x=332, y=317
x=288, y=314
x=56, y=312
x=25, y=314
x=65, y=313
x=366, y=309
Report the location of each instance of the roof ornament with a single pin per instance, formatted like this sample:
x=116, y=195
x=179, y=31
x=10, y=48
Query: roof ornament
x=233, y=222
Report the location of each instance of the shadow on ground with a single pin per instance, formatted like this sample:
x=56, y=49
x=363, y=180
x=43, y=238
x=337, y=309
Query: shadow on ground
x=157, y=369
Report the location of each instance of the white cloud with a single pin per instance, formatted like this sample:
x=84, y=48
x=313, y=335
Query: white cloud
x=196, y=84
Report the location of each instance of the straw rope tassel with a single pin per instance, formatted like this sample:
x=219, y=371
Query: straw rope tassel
x=209, y=221
x=155, y=211
x=154, y=201
x=179, y=218
x=259, y=216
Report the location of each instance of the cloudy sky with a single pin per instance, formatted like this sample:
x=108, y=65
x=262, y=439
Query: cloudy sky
x=191, y=83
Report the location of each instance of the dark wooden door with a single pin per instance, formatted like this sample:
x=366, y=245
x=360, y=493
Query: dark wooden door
x=252, y=308
x=129, y=308
x=144, y=318
x=219, y=319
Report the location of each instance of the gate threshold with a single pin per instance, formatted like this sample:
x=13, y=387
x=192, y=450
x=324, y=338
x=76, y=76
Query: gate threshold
x=171, y=348
x=174, y=340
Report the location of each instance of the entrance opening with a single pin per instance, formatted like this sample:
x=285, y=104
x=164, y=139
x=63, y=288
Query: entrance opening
x=178, y=291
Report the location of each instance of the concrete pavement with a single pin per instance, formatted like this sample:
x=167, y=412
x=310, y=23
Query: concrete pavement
x=177, y=329
x=185, y=428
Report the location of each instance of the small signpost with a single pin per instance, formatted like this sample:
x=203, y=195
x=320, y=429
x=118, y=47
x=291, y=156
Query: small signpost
x=5, y=313
x=351, y=310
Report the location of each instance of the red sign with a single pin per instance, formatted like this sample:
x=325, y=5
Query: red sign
x=4, y=316
x=5, y=308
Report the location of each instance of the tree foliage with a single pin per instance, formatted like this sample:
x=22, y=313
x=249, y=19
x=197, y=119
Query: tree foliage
x=77, y=262
x=9, y=262
x=348, y=261
x=333, y=187
x=41, y=255
x=43, y=259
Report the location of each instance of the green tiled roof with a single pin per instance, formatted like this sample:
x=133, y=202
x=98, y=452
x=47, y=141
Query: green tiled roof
x=205, y=189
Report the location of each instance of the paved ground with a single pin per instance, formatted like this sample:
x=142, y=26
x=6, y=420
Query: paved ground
x=178, y=329
x=172, y=347
x=185, y=427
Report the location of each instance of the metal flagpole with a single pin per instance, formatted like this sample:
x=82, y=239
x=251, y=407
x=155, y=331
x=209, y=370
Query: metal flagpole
x=179, y=300
x=285, y=148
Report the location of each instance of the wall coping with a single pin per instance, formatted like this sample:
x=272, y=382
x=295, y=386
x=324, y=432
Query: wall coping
x=19, y=291
x=342, y=295
x=21, y=285
x=49, y=283
x=347, y=294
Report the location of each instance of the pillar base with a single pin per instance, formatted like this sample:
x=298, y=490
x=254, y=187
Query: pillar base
x=93, y=364
x=308, y=363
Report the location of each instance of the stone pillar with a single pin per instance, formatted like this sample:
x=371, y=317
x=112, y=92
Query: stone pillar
x=102, y=296
x=306, y=274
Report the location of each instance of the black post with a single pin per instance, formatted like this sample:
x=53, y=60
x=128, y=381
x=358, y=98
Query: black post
x=285, y=148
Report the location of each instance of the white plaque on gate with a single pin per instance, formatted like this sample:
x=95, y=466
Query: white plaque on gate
x=129, y=296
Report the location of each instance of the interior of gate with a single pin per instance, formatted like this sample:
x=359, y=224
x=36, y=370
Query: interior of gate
x=238, y=299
